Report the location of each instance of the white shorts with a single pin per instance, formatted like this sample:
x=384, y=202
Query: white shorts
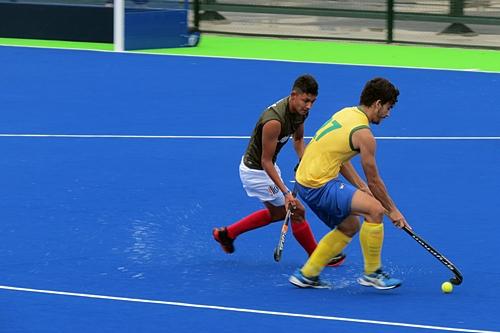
x=258, y=184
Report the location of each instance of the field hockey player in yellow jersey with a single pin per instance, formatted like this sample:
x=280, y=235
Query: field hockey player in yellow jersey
x=339, y=204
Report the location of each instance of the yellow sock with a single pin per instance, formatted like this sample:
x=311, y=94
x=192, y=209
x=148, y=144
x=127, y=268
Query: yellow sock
x=371, y=238
x=330, y=245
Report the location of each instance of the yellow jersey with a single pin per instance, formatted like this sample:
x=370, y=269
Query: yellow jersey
x=331, y=147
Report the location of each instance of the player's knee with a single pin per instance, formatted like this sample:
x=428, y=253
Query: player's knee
x=277, y=213
x=277, y=216
x=349, y=227
x=376, y=214
x=299, y=215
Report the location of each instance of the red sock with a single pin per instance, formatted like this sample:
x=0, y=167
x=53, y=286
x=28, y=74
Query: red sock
x=255, y=220
x=303, y=234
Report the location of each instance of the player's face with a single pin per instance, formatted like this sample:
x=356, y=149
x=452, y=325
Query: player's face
x=302, y=102
x=383, y=111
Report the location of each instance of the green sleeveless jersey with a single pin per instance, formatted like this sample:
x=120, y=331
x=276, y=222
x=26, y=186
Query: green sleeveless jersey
x=289, y=123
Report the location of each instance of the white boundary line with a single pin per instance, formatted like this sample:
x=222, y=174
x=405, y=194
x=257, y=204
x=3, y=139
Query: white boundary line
x=124, y=136
x=475, y=70
x=438, y=138
x=120, y=136
x=253, y=311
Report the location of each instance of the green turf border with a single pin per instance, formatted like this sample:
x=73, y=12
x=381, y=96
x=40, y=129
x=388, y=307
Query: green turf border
x=312, y=51
x=55, y=44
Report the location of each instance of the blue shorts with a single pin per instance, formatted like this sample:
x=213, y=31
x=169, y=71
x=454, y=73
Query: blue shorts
x=330, y=202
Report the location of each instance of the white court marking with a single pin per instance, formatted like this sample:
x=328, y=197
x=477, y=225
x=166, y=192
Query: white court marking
x=253, y=311
x=243, y=310
x=224, y=308
x=123, y=136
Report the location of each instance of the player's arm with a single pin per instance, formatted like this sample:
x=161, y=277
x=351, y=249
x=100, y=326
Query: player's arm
x=270, y=135
x=349, y=172
x=298, y=141
x=363, y=140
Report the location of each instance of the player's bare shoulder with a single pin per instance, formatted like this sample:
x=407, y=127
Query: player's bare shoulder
x=363, y=139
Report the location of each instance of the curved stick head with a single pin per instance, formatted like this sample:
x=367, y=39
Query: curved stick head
x=456, y=280
x=277, y=255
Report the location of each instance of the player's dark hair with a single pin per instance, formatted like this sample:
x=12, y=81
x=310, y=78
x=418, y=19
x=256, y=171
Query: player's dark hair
x=306, y=84
x=379, y=89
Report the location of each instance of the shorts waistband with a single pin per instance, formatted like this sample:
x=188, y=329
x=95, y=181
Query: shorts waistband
x=248, y=165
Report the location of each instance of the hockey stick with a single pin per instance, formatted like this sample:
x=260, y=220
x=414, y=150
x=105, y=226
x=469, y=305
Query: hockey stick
x=278, y=250
x=458, y=278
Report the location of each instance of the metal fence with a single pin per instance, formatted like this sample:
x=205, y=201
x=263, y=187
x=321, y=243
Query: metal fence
x=470, y=23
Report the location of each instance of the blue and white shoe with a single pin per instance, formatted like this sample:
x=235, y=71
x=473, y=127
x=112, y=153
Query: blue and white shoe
x=380, y=280
x=298, y=279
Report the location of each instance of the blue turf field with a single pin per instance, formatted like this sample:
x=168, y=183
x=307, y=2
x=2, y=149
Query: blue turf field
x=131, y=217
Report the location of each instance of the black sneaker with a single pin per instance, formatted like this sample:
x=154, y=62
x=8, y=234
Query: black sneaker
x=221, y=236
x=337, y=260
